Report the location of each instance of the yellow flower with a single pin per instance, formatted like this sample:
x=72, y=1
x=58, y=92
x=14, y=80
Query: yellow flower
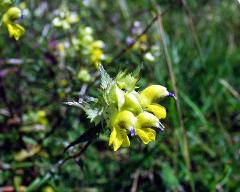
x=15, y=30
x=152, y=93
x=96, y=56
x=84, y=75
x=144, y=123
x=146, y=134
x=41, y=117
x=119, y=138
x=65, y=19
x=122, y=123
x=146, y=119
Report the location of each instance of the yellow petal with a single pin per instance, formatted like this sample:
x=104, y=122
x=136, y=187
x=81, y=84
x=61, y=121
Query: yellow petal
x=126, y=142
x=124, y=119
x=116, y=138
x=112, y=136
x=158, y=110
x=117, y=142
x=146, y=119
x=15, y=30
x=146, y=135
x=119, y=138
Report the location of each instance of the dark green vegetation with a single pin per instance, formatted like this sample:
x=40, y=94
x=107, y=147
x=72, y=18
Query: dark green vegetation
x=199, y=51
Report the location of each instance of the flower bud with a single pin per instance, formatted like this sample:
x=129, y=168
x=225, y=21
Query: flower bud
x=12, y=14
x=4, y=4
x=117, y=96
x=84, y=75
x=126, y=81
x=131, y=103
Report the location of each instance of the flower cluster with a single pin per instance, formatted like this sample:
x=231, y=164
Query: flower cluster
x=90, y=49
x=65, y=18
x=9, y=19
x=127, y=111
x=143, y=44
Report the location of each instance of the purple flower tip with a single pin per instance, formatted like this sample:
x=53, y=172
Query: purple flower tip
x=132, y=132
x=171, y=95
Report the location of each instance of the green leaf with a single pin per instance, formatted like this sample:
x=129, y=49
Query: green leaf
x=106, y=80
x=127, y=81
x=94, y=114
x=74, y=103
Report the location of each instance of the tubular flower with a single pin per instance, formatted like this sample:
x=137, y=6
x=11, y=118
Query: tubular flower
x=15, y=30
x=92, y=50
x=122, y=123
x=152, y=93
x=131, y=103
x=126, y=111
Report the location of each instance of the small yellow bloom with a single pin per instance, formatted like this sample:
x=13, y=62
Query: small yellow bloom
x=15, y=30
x=144, y=123
x=119, y=138
x=63, y=82
x=41, y=113
x=122, y=123
x=96, y=56
x=41, y=117
x=60, y=47
x=146, y=134
x=84, y=75
x=98, y=44
x=65, y=19
x=152, y=93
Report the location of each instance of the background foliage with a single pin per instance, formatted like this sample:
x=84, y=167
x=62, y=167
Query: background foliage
x=199, y=50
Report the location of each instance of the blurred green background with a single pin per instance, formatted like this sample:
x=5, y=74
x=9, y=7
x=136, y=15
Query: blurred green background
x=192, y=44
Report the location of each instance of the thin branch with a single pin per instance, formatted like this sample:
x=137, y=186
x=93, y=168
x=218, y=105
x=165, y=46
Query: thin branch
x=76, y=155
x=126, y=49
x=135, y=181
